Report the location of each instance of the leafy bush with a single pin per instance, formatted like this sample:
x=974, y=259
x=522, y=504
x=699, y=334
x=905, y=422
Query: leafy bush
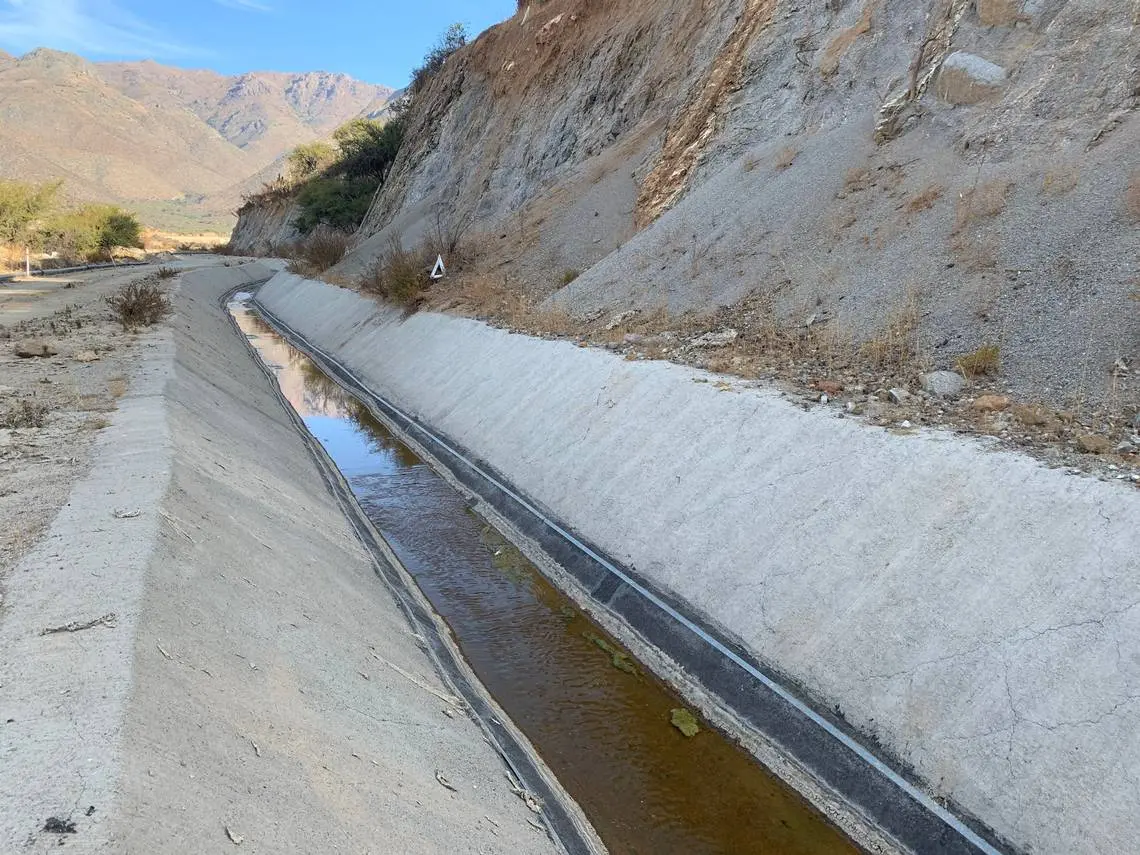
x=21, y=205
x=139, y=304
x=338, y=203
x=91, y=232
x=452, y=40
x=308, y=159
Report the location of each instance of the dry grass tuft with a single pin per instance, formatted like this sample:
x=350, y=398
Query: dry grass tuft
x=401, y=276
x=1132, y=198
x=166, y=272
x=983, y=362
x=981, y=203
x=895, y=348
x=1060, y=181
x=856, y=180
x=318, y=251
x=925, y=200
x=139, y=304
x=569, y=276
x=785, y=157
x=27, y=413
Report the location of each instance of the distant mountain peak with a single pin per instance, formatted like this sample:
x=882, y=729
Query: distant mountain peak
x=154, y=137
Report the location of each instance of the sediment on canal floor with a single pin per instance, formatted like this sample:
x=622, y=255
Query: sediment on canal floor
x=923, y=594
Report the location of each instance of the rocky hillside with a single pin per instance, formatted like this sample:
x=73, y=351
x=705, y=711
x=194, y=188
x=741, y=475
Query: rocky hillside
x=969, y=166
x=178, y=146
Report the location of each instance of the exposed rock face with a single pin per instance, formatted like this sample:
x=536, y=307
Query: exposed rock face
x=261, y=229
x=969, y=79
x=834, y=155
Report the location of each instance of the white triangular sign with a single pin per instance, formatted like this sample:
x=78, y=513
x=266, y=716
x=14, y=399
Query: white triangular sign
x=439, y=270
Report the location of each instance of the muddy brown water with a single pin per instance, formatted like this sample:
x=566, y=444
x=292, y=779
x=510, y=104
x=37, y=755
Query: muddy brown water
x=598, y=718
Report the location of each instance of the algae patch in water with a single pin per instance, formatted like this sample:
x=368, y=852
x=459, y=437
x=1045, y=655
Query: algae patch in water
x=684, y=721
x=618, y=657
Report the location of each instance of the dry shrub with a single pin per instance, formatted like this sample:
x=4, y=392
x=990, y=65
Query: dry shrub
x=139, y=304
x=785, y=157
x=1058, y=182
x=856, y=180
x=166, y=273
x=1132, y=198
x=401, y=276
x=984, y=361
x=925, y=200
x=895, y=347
x=976, y=256
x=318, y=251
x=27, y=413
x=981, y=203
x=569, y=276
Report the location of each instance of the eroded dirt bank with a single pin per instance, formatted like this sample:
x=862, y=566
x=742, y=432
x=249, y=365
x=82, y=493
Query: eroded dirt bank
x=246, y=679
x=970, y=612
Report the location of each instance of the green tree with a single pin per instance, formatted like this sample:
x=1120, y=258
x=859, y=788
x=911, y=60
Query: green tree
x=367, y=147
x=91, y=232
x=453, y=38
x=22, y=207
x=308, y=159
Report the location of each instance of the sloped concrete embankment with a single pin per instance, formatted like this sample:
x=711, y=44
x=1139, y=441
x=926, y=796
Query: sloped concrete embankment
x=243, y=688
x=973, y=613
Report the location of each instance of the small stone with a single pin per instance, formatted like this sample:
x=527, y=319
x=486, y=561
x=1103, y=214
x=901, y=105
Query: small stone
x=898, y=396
x=992, y=403
x=850, y=406
x=5, y=437
x=86, y=356
x=633, y=338
x=905, y=423
x=619, y=319
x=1093, y=444
x=33, y=347
x=823, y=399
x=1033, y=415
x=721, y=338
x=943, y=384
x=829, y=387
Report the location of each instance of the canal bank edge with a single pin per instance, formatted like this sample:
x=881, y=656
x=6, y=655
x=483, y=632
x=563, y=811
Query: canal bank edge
x=949, y=602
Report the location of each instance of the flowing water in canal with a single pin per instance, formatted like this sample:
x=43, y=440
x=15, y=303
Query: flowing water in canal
x=599, y=720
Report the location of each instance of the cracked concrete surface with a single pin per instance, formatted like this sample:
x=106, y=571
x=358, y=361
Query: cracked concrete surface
x=974, y=612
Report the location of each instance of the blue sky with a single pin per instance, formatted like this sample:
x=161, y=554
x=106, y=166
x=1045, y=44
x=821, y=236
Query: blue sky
x=373, y=40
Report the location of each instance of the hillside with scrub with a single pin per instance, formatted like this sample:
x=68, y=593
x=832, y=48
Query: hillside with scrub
x=857, y=201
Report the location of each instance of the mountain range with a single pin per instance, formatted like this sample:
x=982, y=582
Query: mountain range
x=179, y=147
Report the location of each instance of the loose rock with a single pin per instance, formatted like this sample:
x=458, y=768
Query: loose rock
x=86, y=356
x=943, y=384
x=898, y=396
x=1093, y=444
x=720, y=338
x=33, y=347
x=992, y=403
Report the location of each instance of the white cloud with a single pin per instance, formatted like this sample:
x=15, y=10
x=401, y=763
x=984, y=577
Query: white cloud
x=84, y=26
